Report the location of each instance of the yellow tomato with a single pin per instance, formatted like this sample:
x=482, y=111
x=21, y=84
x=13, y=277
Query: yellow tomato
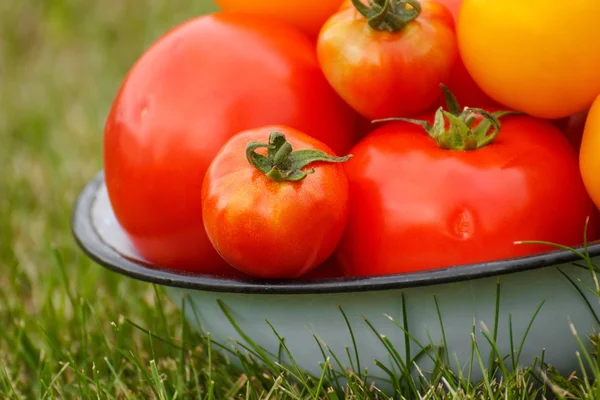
x=589, y=153
x=541, y=57
x=306, y=15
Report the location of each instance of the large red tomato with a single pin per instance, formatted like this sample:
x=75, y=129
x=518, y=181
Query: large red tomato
x=420, y=201
x=388, y=62
x=204, y=81
x=275, y=202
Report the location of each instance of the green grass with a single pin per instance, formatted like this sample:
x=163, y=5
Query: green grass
x=70, y=329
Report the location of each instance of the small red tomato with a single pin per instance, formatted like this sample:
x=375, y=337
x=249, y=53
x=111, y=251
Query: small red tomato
x=459, y=81
x=388, y=59
x=463, y=194
x=275, y=210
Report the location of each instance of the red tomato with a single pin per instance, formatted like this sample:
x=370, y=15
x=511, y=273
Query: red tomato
x=384, y=68
x=460, y=81
x=264, y=212
x=198, y=85
x=306, y=15
x=417, y=206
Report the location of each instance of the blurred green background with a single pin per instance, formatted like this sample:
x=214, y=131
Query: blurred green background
x=61, y=64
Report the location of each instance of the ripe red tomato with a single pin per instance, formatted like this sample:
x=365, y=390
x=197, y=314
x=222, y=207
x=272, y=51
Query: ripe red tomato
x=416, y=206
x=306, y=15
x=389, y=66
x=204, y=81
x=264, y=212
x=459, y=81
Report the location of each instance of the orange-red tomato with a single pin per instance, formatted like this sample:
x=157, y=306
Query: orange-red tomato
x=264, y=213
x=306, y=15
x=540, y=57
x=459, y=81
x=388, y=74
x=589, y=153
x=416, y=206
x=198, y=85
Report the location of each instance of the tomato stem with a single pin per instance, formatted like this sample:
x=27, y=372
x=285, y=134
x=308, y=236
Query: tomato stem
x=459, y=133
x=282, y=163
x=388, y=15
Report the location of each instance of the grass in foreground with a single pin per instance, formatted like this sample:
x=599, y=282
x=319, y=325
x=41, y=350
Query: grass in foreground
x=69, y=329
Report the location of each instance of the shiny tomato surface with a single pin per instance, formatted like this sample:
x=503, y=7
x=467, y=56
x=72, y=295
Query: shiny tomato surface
x=273, y=229
x=415, y=206
x=198, y=85
x=388, y=74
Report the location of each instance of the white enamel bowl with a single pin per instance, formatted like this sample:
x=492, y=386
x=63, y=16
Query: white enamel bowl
x=537, y=296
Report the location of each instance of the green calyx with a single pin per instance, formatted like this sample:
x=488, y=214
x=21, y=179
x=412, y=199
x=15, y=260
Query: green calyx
x=388, y=15
x=459, y=133
x=282, y=163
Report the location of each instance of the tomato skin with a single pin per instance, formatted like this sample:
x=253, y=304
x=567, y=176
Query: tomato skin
x=518, y=53
x=415, y=206
x=306, y=15
x=460, y=83
x=202, y=82
x=589, y=162
x=383, y=74
x=273, y=229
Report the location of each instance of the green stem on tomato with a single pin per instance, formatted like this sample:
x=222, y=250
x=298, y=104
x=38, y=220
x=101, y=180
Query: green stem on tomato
x=459, y=133
x=388, y=15
x=282, y=163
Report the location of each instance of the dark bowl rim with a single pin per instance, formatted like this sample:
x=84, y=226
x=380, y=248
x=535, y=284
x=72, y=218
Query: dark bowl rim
x=102, y=253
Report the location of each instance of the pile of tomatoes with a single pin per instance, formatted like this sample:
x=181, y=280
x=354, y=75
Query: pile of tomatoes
x=363, y=136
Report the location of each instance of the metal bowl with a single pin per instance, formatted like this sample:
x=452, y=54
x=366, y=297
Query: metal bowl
x=524, y=306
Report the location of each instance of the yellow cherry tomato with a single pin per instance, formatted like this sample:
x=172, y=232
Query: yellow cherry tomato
x=541, y=57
